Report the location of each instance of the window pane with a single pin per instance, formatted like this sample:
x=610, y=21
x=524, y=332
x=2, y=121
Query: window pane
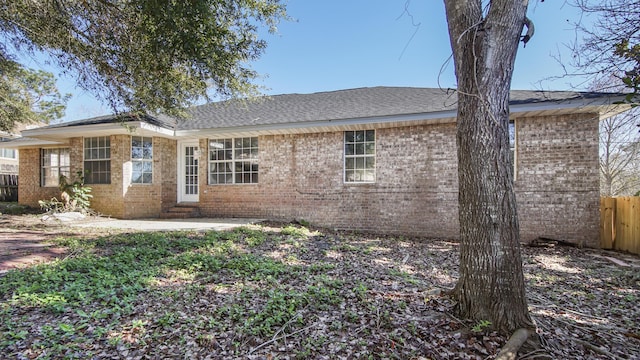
x=370, y=148
x=136, y=153
x=350, y=163
x=370, y=163
x=371, y=135
x=147, y=178
x=136, y=177
x=369, y=175
x=359, y=136
x=348, y=136
x=147, y=152
x=359, y=163
x=349, y=149
x=359, y=149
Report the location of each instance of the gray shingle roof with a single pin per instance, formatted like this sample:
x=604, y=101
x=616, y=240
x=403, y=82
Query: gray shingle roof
x=346, y=104
x=332, y=105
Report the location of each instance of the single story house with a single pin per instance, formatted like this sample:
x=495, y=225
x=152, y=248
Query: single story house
x=377, y=159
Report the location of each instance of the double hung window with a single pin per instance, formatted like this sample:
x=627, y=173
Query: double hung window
x=97, y=160
x=360, y=156
x=53, y=164
x=141, y=160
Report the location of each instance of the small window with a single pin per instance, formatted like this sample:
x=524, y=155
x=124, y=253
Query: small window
x=141, y=160
x=512, y=145
x=360, y=156
x=53, y=164
x=233, y=161
x=7, y=153
x=97, y=160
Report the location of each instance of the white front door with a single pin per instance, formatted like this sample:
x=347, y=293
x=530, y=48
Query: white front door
x=188, y=172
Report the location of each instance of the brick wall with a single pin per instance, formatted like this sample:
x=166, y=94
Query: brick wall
x=415, y=193
x=301, y=177
x=416, y=186
x=557, y=183
x=120, y=198
x=29, y=190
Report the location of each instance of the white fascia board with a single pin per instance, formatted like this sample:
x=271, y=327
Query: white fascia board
x=19, y=143
x=323, y=123
x=126, y=128
x=157, y=129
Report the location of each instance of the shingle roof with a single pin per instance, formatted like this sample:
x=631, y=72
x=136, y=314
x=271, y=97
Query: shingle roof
x=332, y=105
x=346, y=104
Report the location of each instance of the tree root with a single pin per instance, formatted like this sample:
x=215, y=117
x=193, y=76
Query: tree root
x=510, y=349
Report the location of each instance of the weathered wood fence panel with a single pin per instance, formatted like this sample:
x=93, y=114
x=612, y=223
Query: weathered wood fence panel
x=620, y=223
x=8, y=187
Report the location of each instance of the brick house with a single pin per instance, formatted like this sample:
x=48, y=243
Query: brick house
x=373, y=159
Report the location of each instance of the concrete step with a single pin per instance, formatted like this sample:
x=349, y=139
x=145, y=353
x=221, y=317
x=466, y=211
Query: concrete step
x=181, y=211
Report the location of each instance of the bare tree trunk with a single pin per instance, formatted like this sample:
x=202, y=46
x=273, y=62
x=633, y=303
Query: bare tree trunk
x=484, y=43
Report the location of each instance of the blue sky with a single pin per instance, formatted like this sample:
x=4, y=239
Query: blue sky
x=339, y=44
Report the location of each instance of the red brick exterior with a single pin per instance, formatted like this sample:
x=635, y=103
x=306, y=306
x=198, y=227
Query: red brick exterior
x=415, y=193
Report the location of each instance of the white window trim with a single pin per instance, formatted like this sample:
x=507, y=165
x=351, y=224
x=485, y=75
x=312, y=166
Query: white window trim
x=515, y=149
x=232, y=161
x=59, y=172
x=84, y=159
x=344, y=159
x=141, y=160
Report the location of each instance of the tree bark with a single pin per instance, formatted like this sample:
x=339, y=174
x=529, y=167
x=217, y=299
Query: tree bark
x=484, y=43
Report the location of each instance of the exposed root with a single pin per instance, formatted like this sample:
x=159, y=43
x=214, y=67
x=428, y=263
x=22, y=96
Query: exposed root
x=510, y=349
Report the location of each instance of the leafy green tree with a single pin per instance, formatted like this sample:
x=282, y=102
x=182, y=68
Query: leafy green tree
x=27, y=96
x=145, y=55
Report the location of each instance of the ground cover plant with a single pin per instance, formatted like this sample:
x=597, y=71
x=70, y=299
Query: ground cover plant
x=283, y=291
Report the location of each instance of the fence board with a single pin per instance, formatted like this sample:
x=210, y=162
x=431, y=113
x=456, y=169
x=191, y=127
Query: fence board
x=8, y=187
x=620, y=223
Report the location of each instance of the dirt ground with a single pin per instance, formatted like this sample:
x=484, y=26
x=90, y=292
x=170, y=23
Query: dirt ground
x=27, y=239
x=584, y=301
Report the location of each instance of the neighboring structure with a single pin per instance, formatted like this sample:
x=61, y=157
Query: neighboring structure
x=373, y=159
x=9, y=166
x=8, y=157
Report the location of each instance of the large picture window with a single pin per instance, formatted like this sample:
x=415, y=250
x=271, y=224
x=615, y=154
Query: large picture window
x=97, y=160
x=141, y=160
x=360, y=156
x=233, y=161
x=53, y=163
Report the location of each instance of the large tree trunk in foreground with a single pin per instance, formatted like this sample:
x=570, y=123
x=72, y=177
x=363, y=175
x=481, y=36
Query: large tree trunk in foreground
x=491, y=284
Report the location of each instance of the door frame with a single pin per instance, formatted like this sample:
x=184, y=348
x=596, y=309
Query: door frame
x=182, y=197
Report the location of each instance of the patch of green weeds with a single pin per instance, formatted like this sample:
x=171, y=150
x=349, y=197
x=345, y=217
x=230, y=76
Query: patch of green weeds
x=320, y=267
x=405, y=276
x=361, y=291
x=345, y=247
x=481, y=326
x=280, y=308
x=295, y=232
x=251, y=237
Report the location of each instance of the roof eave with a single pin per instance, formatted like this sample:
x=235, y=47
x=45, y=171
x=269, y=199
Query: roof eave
x=124, y=128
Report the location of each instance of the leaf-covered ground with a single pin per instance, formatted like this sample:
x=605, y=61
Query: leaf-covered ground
x=278, y=291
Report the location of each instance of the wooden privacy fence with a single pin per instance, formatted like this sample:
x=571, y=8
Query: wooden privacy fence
x=8, y=187
x=620, y=223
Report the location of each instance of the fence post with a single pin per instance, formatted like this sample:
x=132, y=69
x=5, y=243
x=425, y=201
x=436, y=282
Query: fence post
x=607, y=222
